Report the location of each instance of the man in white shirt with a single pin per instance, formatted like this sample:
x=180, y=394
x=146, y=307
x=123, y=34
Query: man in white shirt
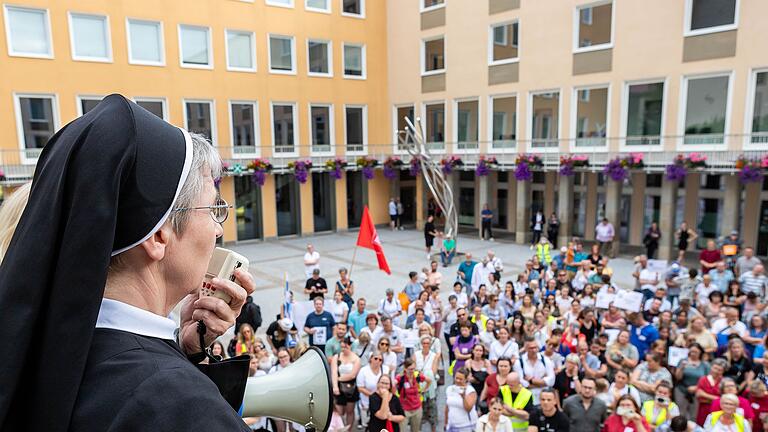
x=535, y=370
x=604, y=234
x=395, y=335
x=392, y=214
x=495, y=262
x=311, y=261
x=649, y=280
x=730, y=324
x=480, y=274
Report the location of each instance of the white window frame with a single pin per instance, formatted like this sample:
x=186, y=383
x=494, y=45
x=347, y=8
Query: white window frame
x=577, y=22
x=85, y=97
x=8, y=40
x=282, y=5
x=293, y=53
x=363, y=59
x=395, y=138
x=623, y=146
x=296, y=143
x=423, y=9
x=455, y=121
x=327, y=10
x=424, y=105
x=25, y=160
x=489, y=123
x=688, y=21
x=256, y=130
x=162, y=101
x=212, y=103
x=210, y=48
x=683, y=104
x=574, y=119
x=750, y=111
x=491, y=61
x=423, y=53
x=133, y=61
x=365, y=130
x=529, y=121
x=252, y=36
x=329, y=49
x=362, y=10
x=107, y=34
x=331, y=129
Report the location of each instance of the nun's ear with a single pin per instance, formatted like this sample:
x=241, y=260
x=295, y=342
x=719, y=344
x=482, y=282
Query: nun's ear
x=156, y=245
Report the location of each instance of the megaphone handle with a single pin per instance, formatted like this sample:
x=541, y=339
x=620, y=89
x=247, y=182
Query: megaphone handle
x=310, y=426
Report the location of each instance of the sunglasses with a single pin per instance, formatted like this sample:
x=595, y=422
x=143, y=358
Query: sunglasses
x=376, y=358
x=383, y=344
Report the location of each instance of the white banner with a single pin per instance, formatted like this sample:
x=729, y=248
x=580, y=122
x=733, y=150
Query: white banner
x=628, y=300
x=676, y=355
x=300, y=311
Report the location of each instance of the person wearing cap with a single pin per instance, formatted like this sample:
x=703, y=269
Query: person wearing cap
x=315, y=286
x=279, y=332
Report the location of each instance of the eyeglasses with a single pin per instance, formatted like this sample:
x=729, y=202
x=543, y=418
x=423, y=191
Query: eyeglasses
x=219, y=210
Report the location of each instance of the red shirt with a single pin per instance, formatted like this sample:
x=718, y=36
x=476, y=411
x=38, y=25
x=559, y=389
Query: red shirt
x=710, y=256
x=410, y=396
x=614, y=423
x=759, y=406
x=491, y=387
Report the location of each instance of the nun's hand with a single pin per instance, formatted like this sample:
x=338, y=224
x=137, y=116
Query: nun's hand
x=217, y=315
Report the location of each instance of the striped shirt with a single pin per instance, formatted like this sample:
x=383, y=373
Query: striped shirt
x=751, y=283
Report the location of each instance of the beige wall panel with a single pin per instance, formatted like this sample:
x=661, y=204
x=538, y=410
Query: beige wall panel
x=496, y=6
x=501, y=74
x=378, y=197
x=433, y=18
x=592, y=62
x=341, y=203
x=637, y=209
x=710, y=46
x=305, y=204
x=433, y=83
x=268, y=208
x=227, y=188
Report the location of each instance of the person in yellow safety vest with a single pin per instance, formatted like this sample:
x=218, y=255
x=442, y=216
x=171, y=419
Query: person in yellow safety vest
x=727, y=419
x=478, y=317
x=542, y=251
x=518, y=402
x=660, y=408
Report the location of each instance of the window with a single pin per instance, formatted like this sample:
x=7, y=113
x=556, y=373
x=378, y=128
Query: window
x=706, y=109
x=759, y=130
x=283, y=128
x=355, y=128
x=433, y=56
x=645, y=109
x=401, y=113
x=89, y=36
x=318, y=5
x=241, y=51
x=245, y=131
x=504, y=122
x=155, y=106
x=545, y=119
x=281, y=3
x=354, y=8
x=593, y=27
x=709, y=16
x=504, y=43
x=320, y=57
x=145, y=42
x=37, y=120
x=28, y=32
x=427, y=5
x=435, y=125
x=591, y=117
x=321, y=122
x=354, y=61
x=281, y=57
x=195, y=47
x=198, y=118
x=467, y=118
x=87, y=103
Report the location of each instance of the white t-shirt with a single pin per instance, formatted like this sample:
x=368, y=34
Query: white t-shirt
x=628, y=389
x=338, y=310
x=308, y=268
x=458, y=417
x=392, y=208
x=368, y=380
x=389, y=308
x=702, y=293
x=461, y=298
x=646, y=274
x=508, y=350
x=721, y=324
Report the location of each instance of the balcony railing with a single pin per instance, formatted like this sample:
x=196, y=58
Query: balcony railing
x=18, y=165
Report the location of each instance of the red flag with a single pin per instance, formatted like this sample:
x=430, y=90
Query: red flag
x=369, y=239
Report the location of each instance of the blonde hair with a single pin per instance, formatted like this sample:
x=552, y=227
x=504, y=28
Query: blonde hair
x=10, y=214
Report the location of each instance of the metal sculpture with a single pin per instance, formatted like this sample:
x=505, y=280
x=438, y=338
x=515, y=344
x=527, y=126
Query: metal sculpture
x=412, y=139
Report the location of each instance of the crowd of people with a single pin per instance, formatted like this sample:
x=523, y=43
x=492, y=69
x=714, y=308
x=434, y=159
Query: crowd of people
x=532, y=351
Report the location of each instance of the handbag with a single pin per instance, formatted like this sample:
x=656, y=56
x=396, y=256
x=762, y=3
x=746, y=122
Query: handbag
x=347, y=389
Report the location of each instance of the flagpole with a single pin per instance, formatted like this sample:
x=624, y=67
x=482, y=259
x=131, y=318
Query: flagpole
x=351, y=266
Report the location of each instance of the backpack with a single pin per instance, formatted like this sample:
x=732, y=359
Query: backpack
x=249, y=314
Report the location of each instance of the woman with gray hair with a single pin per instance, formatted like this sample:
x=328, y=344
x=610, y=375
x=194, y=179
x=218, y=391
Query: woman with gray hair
x=728, y=419
x=120, y=225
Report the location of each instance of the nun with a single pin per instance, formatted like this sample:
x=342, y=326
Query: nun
x=121, y=222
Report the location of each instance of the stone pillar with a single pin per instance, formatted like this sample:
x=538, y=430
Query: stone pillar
x=550, y=178
x=751, y=223
x=613, y=210
x=590, y=220
x=731, y=205
x=637, y=209
x=306, y=208
x=565, y=210
x=523, y=220
x=691, y=209
x=421, y=203
x=481, y=199
x=340, y=187
x=268, y=207
x=667, y=225
x=394, y=186
x=511, y=203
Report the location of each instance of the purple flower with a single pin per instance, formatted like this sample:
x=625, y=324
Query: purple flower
x=447, y=169
x=259, y=177
x=415, y=168
x=676, y=172
x=750, y=174
x=368, y=172
x=301, y=175
x=389, y=172
x=523, y=172
x=615, y=170
x=336, y=173
x=566, y=170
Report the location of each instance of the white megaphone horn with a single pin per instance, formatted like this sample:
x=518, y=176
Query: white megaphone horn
x=299, y=393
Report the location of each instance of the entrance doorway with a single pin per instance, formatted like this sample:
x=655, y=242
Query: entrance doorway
x=287, y=205
x=323, y=199
x=247, y=209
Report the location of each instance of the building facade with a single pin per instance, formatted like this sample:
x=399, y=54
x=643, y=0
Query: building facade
x=291, y=80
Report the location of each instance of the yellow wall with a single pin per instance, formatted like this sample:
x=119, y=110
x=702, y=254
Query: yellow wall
x=305, y=200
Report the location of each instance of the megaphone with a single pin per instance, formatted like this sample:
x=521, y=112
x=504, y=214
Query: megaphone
x=300, y=393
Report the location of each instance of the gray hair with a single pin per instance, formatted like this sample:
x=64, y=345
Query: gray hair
x=723, y=363
x=204, y=158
